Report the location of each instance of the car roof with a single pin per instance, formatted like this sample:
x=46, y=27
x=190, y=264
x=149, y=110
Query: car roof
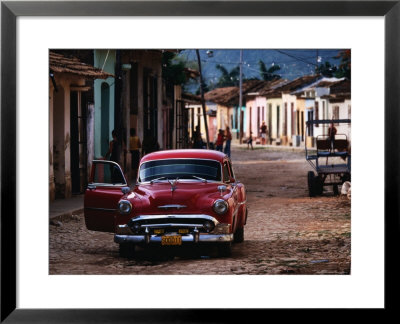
x=185, y=154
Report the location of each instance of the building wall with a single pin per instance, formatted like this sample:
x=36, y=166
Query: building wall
x=344, y=109
x=254, y=115
x=250, y=117
x=104, y=92
x=148, y=63
x=322, y=106
x=289, y=101
x=301, y=123
x=222, y=117
x=52, y=188
x=274, y=108
x=60, y=135
x=234, y=120
x=309, y=115
x=193, y=118
x=261, y=104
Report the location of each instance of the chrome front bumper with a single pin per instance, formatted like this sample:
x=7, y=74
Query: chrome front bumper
x=187, y=238
x=194, y=223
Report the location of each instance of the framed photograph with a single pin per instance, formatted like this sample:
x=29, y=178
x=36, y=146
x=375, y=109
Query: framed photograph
x=29, y=292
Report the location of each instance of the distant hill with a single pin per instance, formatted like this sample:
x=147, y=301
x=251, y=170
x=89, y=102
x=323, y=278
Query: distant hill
x=293, y=62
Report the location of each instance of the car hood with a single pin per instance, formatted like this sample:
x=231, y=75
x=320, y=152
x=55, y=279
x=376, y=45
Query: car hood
x=181, y=197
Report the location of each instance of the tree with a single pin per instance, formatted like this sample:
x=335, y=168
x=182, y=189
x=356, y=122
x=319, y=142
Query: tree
x=327, y=70
x=344, y=69
x=173, y=71
x=268, y=74
x=228, y=78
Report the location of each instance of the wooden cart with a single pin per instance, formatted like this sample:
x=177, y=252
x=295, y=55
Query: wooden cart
x=330, y=159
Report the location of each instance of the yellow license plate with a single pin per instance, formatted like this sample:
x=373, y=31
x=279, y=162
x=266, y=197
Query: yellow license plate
x=171, y=240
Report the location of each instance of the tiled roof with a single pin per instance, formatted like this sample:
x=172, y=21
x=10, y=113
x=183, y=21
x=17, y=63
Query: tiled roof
x=229, y=96
x=291, y=86
x=191, y=98
x=62, y=64
x=341, y=87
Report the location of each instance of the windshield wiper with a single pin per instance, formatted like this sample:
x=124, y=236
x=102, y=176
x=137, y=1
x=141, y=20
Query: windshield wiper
x=202, y=179
x=160, y=178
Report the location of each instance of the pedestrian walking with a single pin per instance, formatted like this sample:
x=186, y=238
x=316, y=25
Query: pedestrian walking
x=114, y=152
x=134, y=147
x=114, y=148
x=264, y=130
x=228, y=137
x=220, y=140
x=197, y=140
x=250, y=141
x=332, y=132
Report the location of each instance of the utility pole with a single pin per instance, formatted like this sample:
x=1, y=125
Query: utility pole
x=240, y=96
x=202, y=98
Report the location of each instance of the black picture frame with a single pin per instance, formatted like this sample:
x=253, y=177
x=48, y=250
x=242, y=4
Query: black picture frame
x=10, y=10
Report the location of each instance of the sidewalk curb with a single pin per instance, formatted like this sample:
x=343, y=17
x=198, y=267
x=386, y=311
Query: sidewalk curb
x=297, y=149
x=65, y=215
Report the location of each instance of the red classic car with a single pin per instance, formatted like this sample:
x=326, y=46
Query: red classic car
x=181, y=197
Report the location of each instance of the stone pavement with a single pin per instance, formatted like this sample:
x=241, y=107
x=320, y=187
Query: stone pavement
x=65, y=208
x=287, y=232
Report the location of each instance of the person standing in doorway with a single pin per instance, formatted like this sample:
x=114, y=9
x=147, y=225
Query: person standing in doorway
x=134, y=147
x=197, y=140
x=228, y=137
x=263, y=129
x=114, y=149
x=114, y=152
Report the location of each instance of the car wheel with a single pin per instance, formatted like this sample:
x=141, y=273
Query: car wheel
x=311, y=183
x=127, y=250
x=225, y=249
x=238, y=236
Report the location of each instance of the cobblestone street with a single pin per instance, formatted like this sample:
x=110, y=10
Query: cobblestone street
x=286, y=233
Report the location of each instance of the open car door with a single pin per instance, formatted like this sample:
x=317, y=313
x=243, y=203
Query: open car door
x=102, y=195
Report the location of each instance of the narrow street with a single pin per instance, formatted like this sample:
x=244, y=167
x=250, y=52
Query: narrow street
x=286, y=233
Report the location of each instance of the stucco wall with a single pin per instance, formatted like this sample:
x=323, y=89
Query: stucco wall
x=276, y=104
x=104, y=59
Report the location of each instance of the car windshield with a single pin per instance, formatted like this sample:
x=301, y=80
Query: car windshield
x=180, y=168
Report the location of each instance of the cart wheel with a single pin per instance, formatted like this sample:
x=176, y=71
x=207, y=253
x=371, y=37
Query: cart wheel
x=311, y=183
x=318, y=185
x=335, y=190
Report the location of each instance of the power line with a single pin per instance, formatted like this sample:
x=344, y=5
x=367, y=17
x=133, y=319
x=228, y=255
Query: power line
x=297, y=58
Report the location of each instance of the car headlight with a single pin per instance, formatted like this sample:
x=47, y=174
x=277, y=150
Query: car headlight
x=125, y=207
x=220, y=206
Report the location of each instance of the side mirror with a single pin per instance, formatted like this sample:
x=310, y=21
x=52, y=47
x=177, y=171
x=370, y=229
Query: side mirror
x=231, y=180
